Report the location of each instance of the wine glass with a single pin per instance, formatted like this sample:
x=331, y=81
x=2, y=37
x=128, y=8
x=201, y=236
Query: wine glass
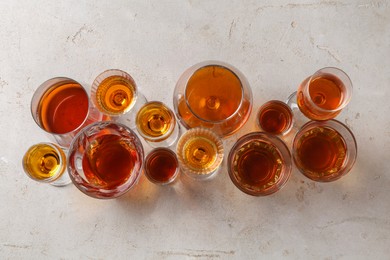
x=115, y=93
x=324, y=150
x=46, y=162
x=60, y=106
x=323, y=95
x=214, y=95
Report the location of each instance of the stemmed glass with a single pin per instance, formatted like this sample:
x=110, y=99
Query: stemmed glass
x=214, y=95
x=322, y=95
x=60, y=106
x=115, y=93
x=46, y=162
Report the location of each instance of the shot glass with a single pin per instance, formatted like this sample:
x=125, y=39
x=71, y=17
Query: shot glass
x=161, y=166
x=156, y=123
x=46, y=162
x=213, y=95
x=324, y=150
x=200, y=153
x=275, y=117
x=259, y=164
x=115, y=93
x=105, y=160
x=60, y=106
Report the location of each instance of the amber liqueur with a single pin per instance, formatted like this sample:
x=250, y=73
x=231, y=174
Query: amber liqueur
x=326, y=93
x=258, y=165
x=275, y=117
x=321, y=151
x=116, y=95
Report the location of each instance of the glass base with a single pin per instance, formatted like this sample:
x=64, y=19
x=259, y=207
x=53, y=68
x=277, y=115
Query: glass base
x=64, y=180
x=299, y=118
x=128, y=119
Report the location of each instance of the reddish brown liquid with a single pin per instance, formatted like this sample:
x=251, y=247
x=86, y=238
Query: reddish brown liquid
x=326, y=92
x=275, y=118
x=63, y=108
x=161, y=166
x=259, y=165
x=109, y=161
x=320, y=152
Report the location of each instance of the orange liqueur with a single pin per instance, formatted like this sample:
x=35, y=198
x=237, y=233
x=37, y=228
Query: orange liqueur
x=321, y=152
x=326, y=92
x=109, y=161
x=63, y=108
x=258, y=165
x=213, y=93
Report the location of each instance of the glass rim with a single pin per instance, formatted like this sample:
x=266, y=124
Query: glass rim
x=150, y=156
x=283, y=151
x=164, y=136
x=43, y=85
x=344, y=102
x=62, y=159
x=104, y=193
x=224, y=65
x=284, y=105
x=106, y=74
x=332, y=124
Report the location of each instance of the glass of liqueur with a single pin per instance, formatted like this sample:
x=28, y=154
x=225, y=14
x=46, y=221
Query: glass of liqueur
x=323, y=95
x=46, y=162
x=200, y=153
x=105, y=160
x=259, y=164
x=161, y=166
x=275, y=117
x=156, y=123
x=116, y=95
x=213, y=95
x=324, y=150
x=60, y=106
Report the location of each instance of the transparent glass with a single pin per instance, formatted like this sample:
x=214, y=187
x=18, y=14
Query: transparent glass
x=275, y=117
x=213, y=95
x=259, y=164
x=200, y=153
x=105, y=160
x=115, y=94
x=157, y=124
x=323, y=95
x=46, y=162
x=60, y=107
x=161, y=166
x=324, y=150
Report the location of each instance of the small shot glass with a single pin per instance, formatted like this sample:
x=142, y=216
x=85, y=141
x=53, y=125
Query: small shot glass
x=46, y=162
x=275, y=117
x=200, y=152
x=157, y=124
x=161, y=166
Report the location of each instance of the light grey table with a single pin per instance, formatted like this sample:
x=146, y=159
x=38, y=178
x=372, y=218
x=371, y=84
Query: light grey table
x=276, y=44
